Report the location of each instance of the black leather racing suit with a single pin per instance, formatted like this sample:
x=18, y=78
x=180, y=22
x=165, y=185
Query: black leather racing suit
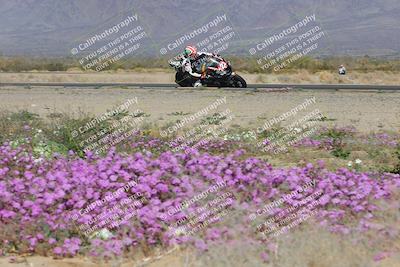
x=193, y=65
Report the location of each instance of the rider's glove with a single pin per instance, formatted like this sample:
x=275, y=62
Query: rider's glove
x=205, y=76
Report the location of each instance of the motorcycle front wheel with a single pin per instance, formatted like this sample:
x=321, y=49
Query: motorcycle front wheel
x=238, y=81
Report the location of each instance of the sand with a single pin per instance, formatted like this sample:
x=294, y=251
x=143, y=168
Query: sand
x=165, y=76
x=367, y=111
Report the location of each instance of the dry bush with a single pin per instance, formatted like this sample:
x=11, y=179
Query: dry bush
x=240, y=63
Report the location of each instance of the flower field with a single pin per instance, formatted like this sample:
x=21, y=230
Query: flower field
x=141, y=195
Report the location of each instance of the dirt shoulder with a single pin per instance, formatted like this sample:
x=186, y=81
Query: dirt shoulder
x=367, y=111
x=162, y=76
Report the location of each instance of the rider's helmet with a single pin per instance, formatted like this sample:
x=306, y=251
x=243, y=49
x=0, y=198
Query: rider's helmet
x=190, y=51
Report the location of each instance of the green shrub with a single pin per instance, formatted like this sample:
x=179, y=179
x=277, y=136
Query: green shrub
x=396, y=169
x=340, y=152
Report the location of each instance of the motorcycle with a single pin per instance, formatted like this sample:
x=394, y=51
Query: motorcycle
x=217, y=73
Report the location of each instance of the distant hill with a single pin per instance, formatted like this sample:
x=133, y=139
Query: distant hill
x=53, y=27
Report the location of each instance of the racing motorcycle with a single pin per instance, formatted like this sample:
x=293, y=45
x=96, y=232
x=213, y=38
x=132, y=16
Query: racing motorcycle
x=217, y=73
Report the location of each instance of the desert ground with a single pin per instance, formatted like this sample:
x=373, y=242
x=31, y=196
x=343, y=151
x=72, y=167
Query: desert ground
x=163, y=76
x=367, y=111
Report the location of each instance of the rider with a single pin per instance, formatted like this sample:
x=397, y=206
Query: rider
x=191, y=56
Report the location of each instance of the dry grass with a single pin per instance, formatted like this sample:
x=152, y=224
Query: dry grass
x=305, y=246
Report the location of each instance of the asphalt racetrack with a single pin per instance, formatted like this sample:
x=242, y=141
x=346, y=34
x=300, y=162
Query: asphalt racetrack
x=249, y=86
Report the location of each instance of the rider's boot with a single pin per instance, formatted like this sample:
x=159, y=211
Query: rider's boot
x=198, y=84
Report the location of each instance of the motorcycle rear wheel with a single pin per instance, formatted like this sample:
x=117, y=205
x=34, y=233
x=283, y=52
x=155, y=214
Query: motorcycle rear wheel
x=183, y=79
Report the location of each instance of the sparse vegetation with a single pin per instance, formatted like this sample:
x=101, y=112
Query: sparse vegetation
x=240, y=63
